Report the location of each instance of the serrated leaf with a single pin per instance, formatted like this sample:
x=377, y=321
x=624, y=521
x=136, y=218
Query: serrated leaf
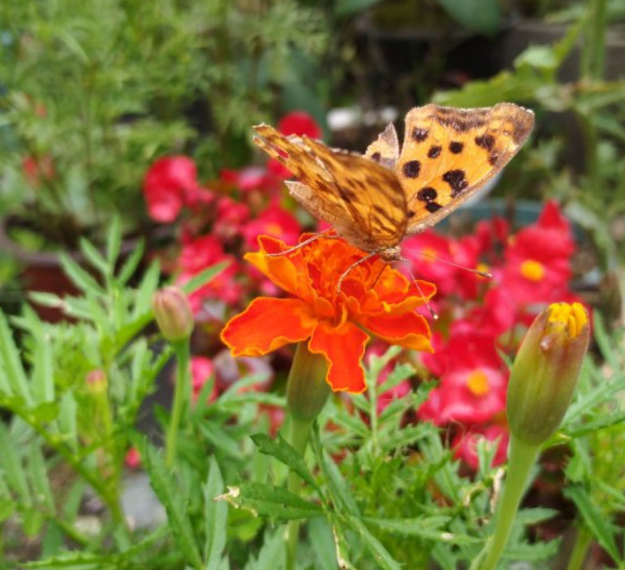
x=215, y=517
x=168, y=493
x=271, y=555
x=268, y=501
x=478, y=15
x=39, y=476
x=11, y=466
x=322, y=542
x=426, y=528
x=284, y=452
x=341, y=497
x=594, y=519
x=132, y=262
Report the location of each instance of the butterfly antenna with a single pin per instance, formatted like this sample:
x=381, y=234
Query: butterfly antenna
x=485, y=274
x=432, y=312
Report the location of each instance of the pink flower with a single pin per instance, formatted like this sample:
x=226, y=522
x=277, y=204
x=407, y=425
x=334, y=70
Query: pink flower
x=273, y=221
x=250, y=178
x=201, y=371
x=169, y=184
x=294, y=123
x=465, y=445
x=199, y=254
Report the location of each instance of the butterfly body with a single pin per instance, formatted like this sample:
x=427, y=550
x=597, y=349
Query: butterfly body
x=376, y=199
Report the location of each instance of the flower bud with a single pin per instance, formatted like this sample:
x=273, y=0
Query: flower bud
x=307, y=389
x=173, y=313
x=97, y=382
x=545, y=371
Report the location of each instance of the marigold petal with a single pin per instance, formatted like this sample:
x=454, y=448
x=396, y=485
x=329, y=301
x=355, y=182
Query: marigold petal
x=409, y=330
x=268, y=324
x=343, y=348
x=286, y=271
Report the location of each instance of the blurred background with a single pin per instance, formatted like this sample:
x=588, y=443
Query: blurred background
x=93, y=94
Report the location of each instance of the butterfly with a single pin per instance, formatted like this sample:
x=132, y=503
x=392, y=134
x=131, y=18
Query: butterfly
x=377, y=199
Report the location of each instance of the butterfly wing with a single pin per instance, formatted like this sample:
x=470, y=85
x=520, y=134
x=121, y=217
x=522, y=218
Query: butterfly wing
x=449, y=154
x=362, y=199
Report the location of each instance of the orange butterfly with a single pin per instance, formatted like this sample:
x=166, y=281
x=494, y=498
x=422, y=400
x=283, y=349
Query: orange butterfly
x=376, y=199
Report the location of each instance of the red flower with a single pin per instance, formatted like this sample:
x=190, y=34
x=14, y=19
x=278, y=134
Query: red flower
x=465, y=445
x=273, y=221
x=295, y=123
x=373, y=296
x=133, y=458
x=169, y=184
x=201, y=371
x=250, y=178
x=472, y=379
x=199, y=254
x=231, y=215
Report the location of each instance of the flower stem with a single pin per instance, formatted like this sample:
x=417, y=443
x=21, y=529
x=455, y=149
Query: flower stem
x=299, y=432
x=181, y=397
x=522, y=459
x=580, y=549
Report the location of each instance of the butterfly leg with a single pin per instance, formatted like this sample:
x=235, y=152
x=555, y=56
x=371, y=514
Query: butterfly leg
x=306, y=242
x=349, y=269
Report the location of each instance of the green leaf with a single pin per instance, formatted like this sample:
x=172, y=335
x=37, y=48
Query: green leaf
x=341, y=497
x=204, y=277
x=93, y=256
x=215, y=517
x=79, y=277
x=268, y=501
x=39, y=476
x=271, y=555
x=320, y=534
x=428, y=528
x=43, y=380
x=11, y=465
x=535, y=515
x=11, y=365
x=168, y=492
x=113, y=241
x=478, y=15
x=595, y=520
x=381, y=556
x=216, y=435
x=284, y=452
x=132, y=262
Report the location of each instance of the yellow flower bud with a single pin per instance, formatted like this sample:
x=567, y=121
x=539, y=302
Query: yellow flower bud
x=545, y=371
x=173, y=313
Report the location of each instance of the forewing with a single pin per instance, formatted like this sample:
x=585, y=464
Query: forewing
x=385, y=149
x=449, y=154
x=366, y=198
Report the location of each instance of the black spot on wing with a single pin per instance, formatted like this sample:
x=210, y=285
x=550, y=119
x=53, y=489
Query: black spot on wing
x=456, y=147
x=485, y=141
x=432, y=207
x=419, y=134
x=434, y=151
x=411, y=169
x=427, y=194
x=456, y=180
x=376, y=156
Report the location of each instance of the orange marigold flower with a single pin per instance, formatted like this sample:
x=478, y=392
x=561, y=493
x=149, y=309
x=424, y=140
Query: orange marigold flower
x=373, y=296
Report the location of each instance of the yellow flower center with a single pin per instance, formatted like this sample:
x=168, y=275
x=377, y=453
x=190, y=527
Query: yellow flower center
x=274, y=229
x=484, y=268
x=429, y=254
x=532, y=270
x=477, y=383
x=566, y=319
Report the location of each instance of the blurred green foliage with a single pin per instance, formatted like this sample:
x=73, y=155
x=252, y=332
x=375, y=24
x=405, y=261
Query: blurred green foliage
x=92, y=92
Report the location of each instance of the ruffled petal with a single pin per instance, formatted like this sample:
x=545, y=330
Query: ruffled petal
x=343, y=348
x=268, y=324
x=408, y=330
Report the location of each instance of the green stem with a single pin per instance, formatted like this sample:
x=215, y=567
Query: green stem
x=181, y=397
x=522, y=459
x=299, y=433
x=580, y=549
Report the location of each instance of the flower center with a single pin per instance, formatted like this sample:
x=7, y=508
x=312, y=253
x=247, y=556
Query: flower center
x=273, y=229
x=429, y=254
x=477, y=383
x=484, y=268
x=532, y=270
x=570, y=319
